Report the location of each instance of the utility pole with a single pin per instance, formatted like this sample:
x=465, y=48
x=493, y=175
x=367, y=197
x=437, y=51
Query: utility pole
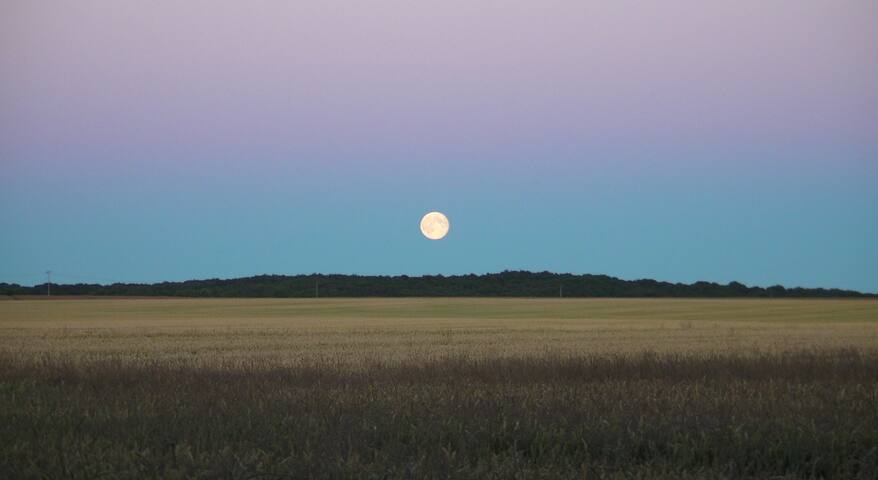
x=316, y=288
x=48, y=283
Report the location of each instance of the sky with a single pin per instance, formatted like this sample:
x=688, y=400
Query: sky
x=675, y=140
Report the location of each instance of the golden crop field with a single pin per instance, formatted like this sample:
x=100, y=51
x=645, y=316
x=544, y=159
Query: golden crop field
x=438, y=388
x=349, y=330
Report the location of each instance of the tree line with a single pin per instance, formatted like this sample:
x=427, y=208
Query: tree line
x=504, y=284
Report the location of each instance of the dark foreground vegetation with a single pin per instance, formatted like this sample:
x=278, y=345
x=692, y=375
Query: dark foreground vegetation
x=803, y=415
x=505, y=284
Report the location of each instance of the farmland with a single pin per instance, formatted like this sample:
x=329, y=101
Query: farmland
x=438, y=388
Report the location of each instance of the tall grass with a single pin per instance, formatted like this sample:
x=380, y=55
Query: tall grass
x=805, y=414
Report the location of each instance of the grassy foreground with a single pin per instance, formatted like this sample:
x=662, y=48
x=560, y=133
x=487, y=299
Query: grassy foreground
x=442, y=388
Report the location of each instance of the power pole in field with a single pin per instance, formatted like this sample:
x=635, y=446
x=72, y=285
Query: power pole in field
x=48, y=283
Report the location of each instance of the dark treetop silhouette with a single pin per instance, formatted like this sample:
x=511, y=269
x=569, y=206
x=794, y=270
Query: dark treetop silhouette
x=504, y=284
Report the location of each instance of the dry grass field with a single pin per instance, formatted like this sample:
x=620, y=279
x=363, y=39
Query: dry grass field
x=347, y=331
x=438, y=388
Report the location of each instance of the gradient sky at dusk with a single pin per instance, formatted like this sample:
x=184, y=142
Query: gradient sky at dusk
x=676, y=140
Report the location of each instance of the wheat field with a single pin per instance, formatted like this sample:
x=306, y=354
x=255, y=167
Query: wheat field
x=349, y=330
x=438, y=388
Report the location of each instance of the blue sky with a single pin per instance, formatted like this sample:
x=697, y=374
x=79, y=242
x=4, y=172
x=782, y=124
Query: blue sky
x=731, y=141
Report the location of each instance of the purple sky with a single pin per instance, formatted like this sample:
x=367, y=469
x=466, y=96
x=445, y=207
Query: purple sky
x=754, y=123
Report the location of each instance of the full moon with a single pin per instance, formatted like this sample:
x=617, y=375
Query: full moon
x=434, y=225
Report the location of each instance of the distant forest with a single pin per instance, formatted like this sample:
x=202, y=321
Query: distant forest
x=504, y=284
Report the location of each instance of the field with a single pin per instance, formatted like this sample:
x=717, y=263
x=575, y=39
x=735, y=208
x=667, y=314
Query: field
x=438, y=388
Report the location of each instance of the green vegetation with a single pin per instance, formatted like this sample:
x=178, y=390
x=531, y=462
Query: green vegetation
x=438, y=388
x=505, y=284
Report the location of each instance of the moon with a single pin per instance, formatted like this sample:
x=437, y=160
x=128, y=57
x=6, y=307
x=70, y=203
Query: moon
x=435, y=225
